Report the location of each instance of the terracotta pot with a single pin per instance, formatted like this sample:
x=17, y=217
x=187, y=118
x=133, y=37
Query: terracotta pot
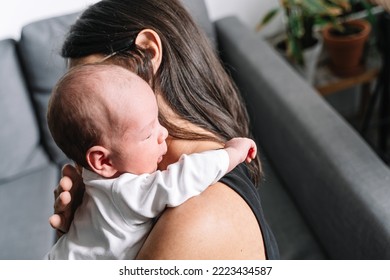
x=346, y=52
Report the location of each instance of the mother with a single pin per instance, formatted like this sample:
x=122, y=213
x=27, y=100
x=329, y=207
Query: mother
x=201, y=108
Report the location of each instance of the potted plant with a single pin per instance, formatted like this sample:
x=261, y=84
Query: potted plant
x=345, y=40
x=304, y=17
x=301, y=19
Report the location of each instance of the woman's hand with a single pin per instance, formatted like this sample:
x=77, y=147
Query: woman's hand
x=68, y=196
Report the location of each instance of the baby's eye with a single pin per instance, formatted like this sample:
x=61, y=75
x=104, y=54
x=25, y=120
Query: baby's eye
x=148, y=137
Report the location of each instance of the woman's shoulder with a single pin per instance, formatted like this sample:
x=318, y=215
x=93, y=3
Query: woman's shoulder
x=218, y=224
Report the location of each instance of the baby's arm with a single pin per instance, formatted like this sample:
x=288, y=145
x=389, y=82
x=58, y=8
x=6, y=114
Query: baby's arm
x=193, y=173
x=188, y=177
x=240, y=150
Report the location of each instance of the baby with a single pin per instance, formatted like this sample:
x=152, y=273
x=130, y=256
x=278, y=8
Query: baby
x=105, y=118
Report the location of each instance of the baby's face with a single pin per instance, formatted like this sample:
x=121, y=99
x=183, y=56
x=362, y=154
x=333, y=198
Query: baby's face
x=142, y=146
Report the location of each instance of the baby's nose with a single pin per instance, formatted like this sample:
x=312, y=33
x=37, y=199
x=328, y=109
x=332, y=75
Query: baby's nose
x=163, y=134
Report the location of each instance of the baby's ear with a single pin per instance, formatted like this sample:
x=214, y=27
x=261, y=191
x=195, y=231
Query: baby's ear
x=99, y=161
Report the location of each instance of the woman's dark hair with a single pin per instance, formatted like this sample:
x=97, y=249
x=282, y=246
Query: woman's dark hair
x=190, y=78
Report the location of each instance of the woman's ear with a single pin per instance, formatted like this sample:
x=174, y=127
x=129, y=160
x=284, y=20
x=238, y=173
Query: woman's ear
x=149, y=39
x=99, y=161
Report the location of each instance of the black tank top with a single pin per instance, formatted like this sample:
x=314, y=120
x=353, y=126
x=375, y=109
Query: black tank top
x=239, y=180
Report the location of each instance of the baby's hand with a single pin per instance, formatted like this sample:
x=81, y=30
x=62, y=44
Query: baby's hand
x=251, y=154
x=240, y=149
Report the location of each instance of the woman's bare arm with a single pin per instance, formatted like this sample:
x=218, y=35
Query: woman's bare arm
x=217, y=224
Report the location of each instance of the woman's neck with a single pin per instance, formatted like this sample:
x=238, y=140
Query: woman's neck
x=178, y=147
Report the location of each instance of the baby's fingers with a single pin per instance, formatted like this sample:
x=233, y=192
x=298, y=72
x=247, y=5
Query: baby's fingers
x=251, y=154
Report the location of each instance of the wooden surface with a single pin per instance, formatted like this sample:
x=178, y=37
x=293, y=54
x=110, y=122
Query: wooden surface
x=327, y=83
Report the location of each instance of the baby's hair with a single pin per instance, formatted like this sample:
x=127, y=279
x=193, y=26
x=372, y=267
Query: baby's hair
x=77, y=116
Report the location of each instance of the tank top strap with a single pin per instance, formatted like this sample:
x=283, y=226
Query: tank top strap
x=239, y=180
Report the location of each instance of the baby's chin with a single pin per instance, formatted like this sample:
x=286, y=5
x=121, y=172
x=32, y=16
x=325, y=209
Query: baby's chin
x=162, y=164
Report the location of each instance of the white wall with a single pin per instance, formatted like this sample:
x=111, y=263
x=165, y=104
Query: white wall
x=248, y=11
x=14, y=14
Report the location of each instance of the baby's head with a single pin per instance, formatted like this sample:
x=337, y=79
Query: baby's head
x=105, y=118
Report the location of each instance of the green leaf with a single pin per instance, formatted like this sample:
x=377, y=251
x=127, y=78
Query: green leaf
x=371, y=18
x=267, y=18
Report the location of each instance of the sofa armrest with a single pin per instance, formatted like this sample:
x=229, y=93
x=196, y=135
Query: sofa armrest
x=338, y=182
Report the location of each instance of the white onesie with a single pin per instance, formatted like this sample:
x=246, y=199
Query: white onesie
x=117, y=214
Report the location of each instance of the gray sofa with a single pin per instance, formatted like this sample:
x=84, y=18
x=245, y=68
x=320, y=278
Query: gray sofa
x=325, y=192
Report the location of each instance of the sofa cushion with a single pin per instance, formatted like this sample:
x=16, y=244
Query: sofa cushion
x=25, y=205
x=296, y=240
x=39, y=48
x=19, y=139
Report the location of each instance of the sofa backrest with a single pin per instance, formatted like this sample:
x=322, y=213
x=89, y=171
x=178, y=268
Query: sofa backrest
x=19, y=139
